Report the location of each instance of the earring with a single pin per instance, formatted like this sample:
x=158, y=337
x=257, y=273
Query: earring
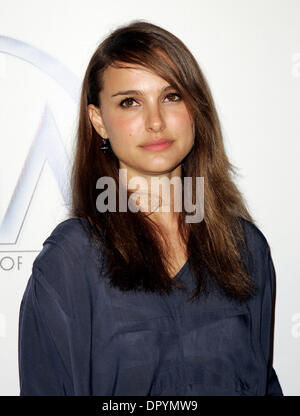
x=105, y=145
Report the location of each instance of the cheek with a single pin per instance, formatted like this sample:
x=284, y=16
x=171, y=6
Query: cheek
x=181, y=121
x=121, y=124
x=125, y=129
x=123, y=135
x=117, y=124
x=126, y=122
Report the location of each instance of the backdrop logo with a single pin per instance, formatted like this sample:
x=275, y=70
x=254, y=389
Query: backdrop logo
x=47, y=145
x=296, y=65
x=295, y=330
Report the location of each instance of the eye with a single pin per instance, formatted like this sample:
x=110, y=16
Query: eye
x=129, y=99
x=174, y=94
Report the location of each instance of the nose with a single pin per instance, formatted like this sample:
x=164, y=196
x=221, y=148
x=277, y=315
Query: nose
x=154, y=119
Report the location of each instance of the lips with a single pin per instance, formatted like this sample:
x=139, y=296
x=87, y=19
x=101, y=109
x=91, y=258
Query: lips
x=157, y=142
x=158, y=145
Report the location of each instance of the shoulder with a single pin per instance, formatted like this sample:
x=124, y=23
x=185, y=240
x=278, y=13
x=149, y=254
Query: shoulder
x=256, y=240
x=67, y=252
x=70, y=231
x=259, y=260
x=65, y=272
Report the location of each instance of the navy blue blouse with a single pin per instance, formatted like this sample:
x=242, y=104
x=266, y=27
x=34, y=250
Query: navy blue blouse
x=79, y=336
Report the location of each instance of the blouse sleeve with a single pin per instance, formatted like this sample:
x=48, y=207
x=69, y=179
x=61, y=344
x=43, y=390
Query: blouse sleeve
x=42, y=326
x=273, y=387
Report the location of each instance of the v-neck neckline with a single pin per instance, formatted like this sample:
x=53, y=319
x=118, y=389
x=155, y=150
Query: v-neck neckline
x=181, y=271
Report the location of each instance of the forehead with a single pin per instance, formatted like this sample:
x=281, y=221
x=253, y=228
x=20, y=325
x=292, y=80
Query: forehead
x=131, y=76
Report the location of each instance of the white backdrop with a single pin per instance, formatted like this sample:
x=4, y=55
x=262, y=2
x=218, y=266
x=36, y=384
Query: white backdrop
x=249, y=51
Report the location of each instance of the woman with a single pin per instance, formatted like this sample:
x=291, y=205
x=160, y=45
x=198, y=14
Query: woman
x=141, y=301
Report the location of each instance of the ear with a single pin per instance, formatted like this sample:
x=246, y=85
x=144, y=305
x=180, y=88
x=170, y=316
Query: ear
x=97, y=120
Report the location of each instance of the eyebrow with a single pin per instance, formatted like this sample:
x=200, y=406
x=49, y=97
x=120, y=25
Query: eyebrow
x=138, y=92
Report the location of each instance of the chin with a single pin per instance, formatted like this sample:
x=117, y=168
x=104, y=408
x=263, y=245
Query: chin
x=159, y=170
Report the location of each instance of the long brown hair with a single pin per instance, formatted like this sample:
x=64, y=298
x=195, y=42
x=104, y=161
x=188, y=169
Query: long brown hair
x=132, y=243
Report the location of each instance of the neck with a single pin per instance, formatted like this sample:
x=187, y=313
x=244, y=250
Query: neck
x=157, y=195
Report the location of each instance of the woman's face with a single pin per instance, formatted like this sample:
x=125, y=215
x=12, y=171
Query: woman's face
x=130, y=119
